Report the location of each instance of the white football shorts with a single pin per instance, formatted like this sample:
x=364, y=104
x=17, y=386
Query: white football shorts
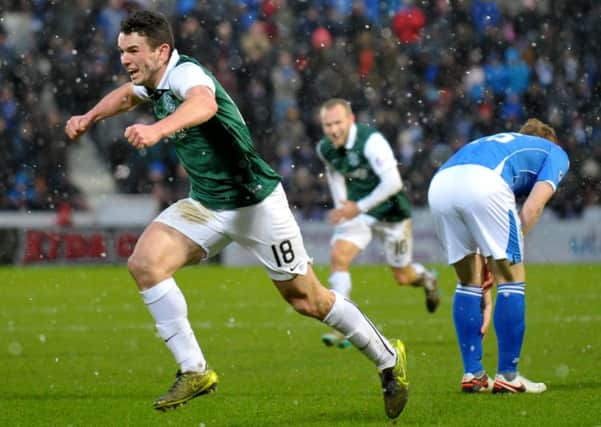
x=396, y=237
x=268, y=230
x=474, y=211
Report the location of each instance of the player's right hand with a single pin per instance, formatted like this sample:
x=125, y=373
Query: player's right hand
x=77, y=125
x=335, y=216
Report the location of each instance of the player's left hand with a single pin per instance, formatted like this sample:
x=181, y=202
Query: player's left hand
x=348, y=210
x=486, y=310
x=141, y=136
x=487, y=282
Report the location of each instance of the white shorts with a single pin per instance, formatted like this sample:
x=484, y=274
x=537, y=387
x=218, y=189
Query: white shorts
x=474, y=211
x=268, y=230
x=397, y=237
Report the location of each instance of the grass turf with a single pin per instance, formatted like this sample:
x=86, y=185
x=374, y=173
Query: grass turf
x=78, y=348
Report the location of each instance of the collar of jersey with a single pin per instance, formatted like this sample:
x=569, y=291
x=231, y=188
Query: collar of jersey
x=170, y=66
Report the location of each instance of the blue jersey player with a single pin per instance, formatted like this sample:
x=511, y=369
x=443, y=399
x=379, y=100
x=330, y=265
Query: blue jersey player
x=473, y=202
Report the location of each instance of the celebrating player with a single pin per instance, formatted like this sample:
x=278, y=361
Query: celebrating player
x=473, y=202
x=235, y=196
x=367, y=192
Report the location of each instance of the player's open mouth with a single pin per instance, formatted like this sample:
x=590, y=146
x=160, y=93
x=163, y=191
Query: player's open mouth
x=132, y=74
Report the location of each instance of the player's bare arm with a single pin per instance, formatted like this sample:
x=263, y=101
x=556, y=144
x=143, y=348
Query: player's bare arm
x=117, y=101
x=198, y=107
x=534, y=205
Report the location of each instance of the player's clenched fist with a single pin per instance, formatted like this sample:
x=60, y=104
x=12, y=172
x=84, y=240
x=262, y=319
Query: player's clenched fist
x=348, y=210
x=141, y=136
x=77, y=125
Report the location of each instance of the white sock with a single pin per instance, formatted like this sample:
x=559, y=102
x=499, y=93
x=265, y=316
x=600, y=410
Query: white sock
x=420, y=275
x=419, y=269
x=340, y=281
x=168, y=307
x=358, y=329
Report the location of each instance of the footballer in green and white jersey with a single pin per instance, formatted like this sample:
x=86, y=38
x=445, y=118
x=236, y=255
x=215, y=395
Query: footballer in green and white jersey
x=235, y=197
x=225, y=170
x=369, y=201
x=360, y=165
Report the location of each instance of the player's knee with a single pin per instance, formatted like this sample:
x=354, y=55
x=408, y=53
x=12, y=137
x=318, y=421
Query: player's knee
x=142, y=268
x=135, y=265
x=339, y=261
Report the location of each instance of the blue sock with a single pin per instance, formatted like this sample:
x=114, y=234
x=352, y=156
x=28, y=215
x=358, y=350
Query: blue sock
x=467, y=315
x=510, y=324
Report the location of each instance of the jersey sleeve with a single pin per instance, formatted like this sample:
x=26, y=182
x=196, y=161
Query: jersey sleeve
x=389, y=185
x=188, y=75
x=384, y=164
x=337, y=186
x=555, y=167
x=379, y=154
x=321, y=153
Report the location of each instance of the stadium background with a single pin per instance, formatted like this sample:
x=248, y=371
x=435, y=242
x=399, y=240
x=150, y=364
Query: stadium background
x=431, y=75
x=78, y=348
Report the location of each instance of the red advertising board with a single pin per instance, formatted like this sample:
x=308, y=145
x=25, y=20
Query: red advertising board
x=76, y=245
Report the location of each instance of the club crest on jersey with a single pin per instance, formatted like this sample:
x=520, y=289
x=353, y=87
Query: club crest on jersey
x=168, y=102
x=165, y=105
x=353, y=158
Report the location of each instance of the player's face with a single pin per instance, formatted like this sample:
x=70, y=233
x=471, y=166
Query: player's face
x=143, y=63
x=336, y=123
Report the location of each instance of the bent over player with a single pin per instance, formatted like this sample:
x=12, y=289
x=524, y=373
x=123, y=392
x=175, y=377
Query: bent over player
x=235, y=196
x=473, y=202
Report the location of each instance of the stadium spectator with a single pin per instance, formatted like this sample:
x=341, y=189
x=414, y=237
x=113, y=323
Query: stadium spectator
x=517, y=72
x=556, y=41
x=286, y=82
x=408, y=23
x=485, y=14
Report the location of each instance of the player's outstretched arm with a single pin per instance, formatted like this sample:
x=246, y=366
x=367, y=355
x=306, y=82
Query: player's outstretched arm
x=534, y=205
x=117, y=101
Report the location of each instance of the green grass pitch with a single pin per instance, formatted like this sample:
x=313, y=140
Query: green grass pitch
x=78, y=348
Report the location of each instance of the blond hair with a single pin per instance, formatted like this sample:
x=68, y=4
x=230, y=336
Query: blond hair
x=535, y=127
x=331, y=103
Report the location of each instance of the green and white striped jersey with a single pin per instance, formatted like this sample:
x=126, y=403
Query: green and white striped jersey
x=225, y=170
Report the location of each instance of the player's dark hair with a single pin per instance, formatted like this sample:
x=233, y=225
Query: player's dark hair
x=153, y=26
x=535, y=127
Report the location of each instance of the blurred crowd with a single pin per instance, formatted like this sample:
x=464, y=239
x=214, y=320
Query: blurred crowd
x=431, y=75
